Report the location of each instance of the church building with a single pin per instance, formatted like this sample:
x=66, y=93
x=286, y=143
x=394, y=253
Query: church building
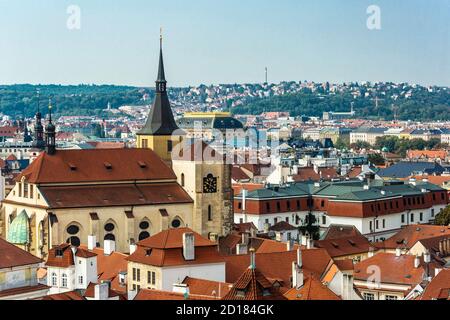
x=120, y=195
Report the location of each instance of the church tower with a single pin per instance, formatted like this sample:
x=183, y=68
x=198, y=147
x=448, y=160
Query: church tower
x=160, y=133
x=38, y=141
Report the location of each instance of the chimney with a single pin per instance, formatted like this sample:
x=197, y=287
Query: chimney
x=241, y=249
x=427, y=257
x=188, y=246
x=109, y=247
x=398, y=252
x=122, y=278
x=297, y=276
x=245, y=237
x=266, y=227
x=441, y=248
x=92, y=242
x=299, y=258
x=436, y=271
x=133, y=248
x=417, y=262
x=309, y=243
x=371, y=252
x=101, y=291
x=289, y=245
x=180, y=288
x=303, y=240
x=252, y=259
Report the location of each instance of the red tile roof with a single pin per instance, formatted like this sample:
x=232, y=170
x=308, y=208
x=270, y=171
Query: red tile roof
x=271, y=246
x=145, y=294
x=66, y=296
x=336, y=231
x=76, y=166
x=12, y=256
x=408, y=236
x=203, y=287
x=63, y=260
x=428, y=154
x=308, y=173
x=253, y=285
x=23, y=290
x=237, y=174
x=314, y=261
x=312, y=289
x=115, y=195
x=345, y=246
x=393, y=269
x=439, y=287
x=166, y=249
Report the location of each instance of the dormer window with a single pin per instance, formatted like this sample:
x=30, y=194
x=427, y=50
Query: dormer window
x=58, y=252
x=72, y=167
x=240, y=293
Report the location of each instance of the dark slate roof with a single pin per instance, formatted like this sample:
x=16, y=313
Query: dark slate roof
x=210, y=123
x=160, y=120
x=406, y=169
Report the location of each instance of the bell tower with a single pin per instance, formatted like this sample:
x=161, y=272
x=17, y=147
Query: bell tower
x=160, y=133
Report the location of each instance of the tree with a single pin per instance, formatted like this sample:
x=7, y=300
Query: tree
x=376, y=159
x=341, y=144
x=443, y=218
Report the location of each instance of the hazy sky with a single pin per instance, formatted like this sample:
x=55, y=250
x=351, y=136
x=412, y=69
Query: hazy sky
x=224, y=41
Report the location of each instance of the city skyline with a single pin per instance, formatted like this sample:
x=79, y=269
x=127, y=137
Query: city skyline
x=326, y=41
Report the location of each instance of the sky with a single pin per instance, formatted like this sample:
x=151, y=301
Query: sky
x=224, y=41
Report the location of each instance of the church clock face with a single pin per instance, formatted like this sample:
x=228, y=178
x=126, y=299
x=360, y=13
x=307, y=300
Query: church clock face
x=210, y=184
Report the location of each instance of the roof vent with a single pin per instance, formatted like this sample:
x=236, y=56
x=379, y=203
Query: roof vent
x=352, y=242
x=72, y=167
x=335, y=244
x=142, y=164
x=108, y=165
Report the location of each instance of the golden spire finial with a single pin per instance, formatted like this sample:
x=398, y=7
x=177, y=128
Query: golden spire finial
x=160, y=36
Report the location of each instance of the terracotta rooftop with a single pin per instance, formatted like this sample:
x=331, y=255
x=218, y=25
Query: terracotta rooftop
x=439, y=287
x=66, y=296
x=206, y=287
x=166, y=249
x=12, y=256
x=23, y=290
x=253, y=285
x=312, y=289
x=394, y=270
x=115, y=195
x=315, y=261
x=409, y=235
x=336, y=231
x=145, y=294
x=76, y=166
x=344, y=246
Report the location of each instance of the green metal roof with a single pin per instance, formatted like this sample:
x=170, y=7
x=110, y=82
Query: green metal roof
x=18, y=232
x=352, y=190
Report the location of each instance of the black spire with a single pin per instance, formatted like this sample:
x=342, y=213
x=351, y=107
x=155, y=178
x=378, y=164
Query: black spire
x=50, y=133
x=160, y=120
x=38, y=141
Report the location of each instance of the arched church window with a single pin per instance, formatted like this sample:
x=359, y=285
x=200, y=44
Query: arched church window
x=110, y=236
x=73, y=229
x=109, y=227
x=74, y=241
x=144, y=225
x=144, y=235
x=176, y=223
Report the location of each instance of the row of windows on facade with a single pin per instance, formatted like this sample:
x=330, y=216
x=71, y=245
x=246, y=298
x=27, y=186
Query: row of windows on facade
x=406, y=201
x=26, y=191
x=64, y=283
x=151, y=276
x=403, y=219
x=144, y=226
x=371, y=296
